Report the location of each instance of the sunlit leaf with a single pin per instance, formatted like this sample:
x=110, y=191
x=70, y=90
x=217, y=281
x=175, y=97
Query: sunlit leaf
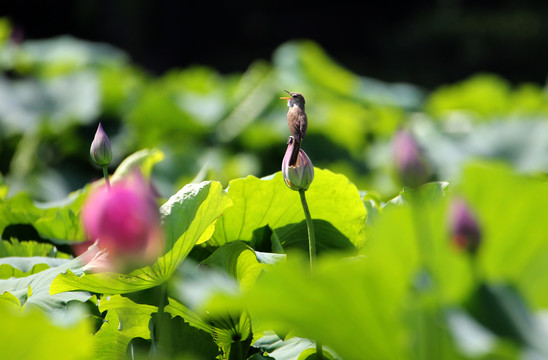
x=22, y=266
x=124, y=321
x=34, y=290
x=57, y=221
x=334, y=202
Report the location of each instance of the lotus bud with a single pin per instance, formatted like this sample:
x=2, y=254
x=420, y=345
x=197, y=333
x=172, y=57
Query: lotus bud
x=300, y=175
x=100, y=150
x=465, y=231
x=125, y=221
x=411, y=166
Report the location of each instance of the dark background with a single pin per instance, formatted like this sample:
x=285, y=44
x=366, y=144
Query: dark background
x=427, y=43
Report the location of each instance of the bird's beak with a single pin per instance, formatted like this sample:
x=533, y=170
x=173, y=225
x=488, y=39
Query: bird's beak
x=286, y=97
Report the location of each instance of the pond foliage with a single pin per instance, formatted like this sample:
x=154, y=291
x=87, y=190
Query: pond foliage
x=427, y=211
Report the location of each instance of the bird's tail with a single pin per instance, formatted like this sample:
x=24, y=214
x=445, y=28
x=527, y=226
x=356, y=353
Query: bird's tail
x=295, y=153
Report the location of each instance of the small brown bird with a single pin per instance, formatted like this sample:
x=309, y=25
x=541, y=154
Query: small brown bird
x=297, y=121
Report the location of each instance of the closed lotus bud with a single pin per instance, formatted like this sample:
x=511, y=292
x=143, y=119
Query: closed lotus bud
x=300, y=175
x=411, y=166
x=125, y=221
x=100, y=150
x=465, y=231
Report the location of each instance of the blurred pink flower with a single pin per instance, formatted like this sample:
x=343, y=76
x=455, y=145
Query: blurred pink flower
x=125, y=221
x=465, y=230
x=96, y=260
x=409, y=160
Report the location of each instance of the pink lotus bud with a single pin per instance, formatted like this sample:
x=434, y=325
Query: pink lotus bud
x=125, y=221
x=410, y=163
x=465, y=231
x=100, y=150
x=301, y=175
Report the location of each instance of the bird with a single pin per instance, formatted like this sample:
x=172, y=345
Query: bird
x=297, y=121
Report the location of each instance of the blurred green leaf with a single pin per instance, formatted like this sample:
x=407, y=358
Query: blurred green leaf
x=28, y=105
x=250, y=105
x=511, y=218
x=120, y=87
x=306, y=64
x=49, y=341
x=519, y=143
x=485, y=97
x=501, y=309
x=352, y=322
x=64, y=54
x=432, y=191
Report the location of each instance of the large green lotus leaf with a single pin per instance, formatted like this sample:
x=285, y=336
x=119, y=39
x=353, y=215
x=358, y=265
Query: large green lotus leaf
x=32, y=335
x=34, y=290
x=124, y=321
x=15, y=266
x=511, y=212
x=57, y=222
x=186, y=216
x=334, y=203
x=60, y=221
